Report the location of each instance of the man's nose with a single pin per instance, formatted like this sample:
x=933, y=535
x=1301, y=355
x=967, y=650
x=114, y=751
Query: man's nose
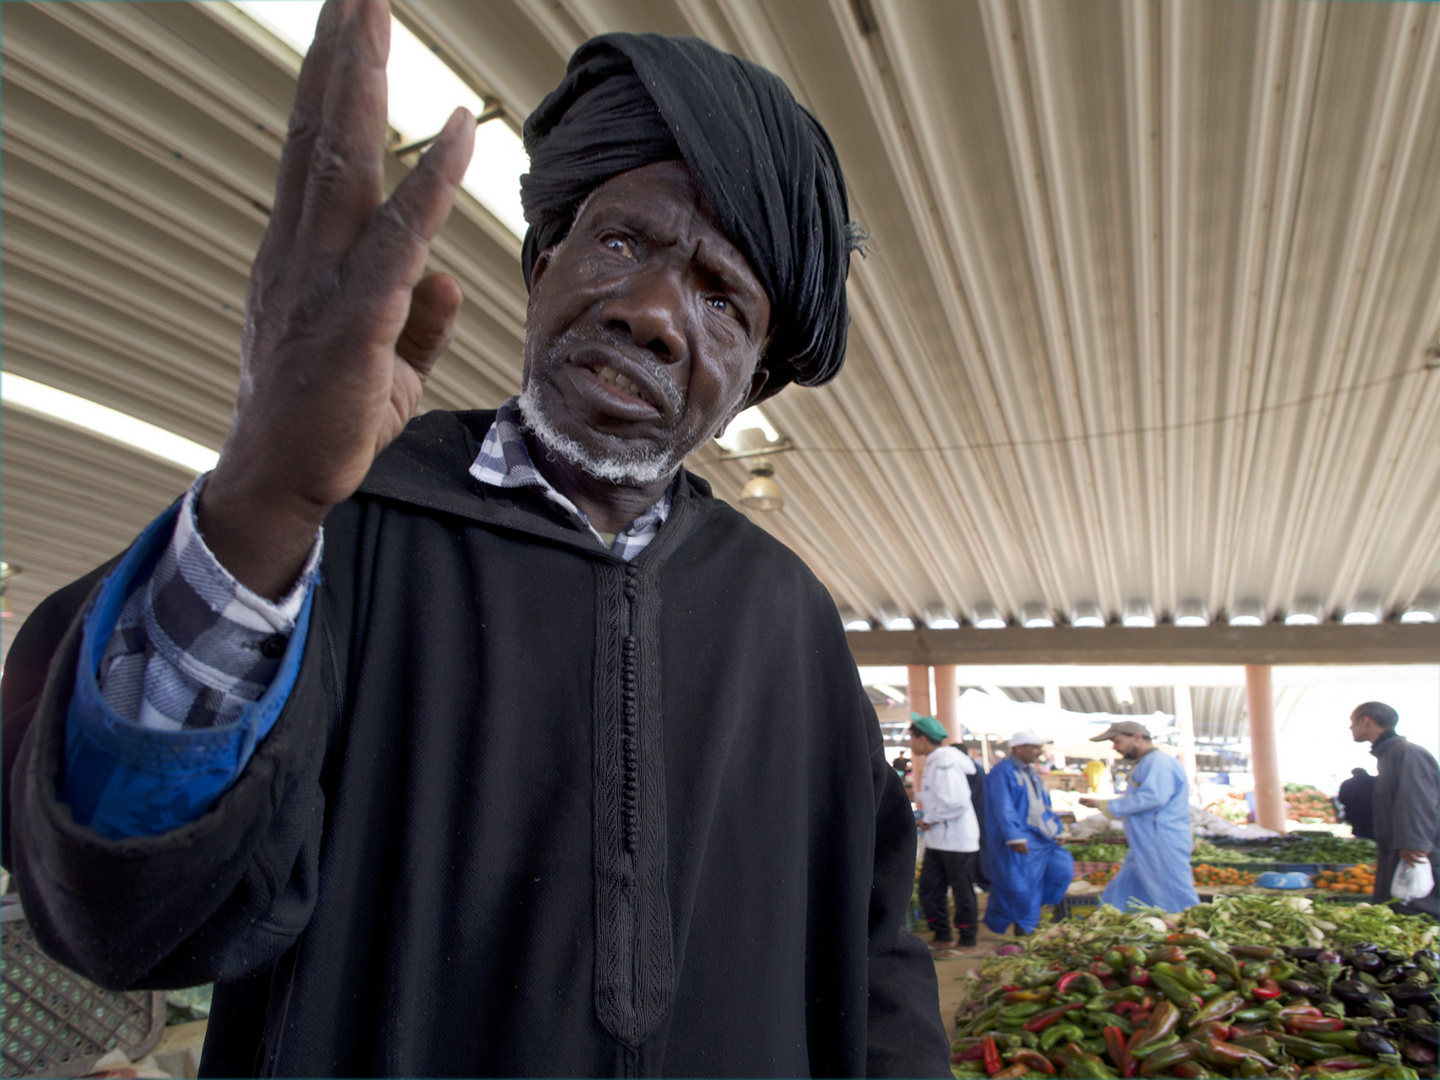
x=652, y=310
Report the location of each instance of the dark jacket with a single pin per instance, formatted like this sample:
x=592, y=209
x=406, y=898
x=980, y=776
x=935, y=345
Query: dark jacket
x=522, y=813
x=1407, y=793
x=1356, y=798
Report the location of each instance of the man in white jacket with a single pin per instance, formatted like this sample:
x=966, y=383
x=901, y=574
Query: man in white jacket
x=952, y=834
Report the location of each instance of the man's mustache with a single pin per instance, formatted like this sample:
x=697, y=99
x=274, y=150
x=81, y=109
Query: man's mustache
x=657, y=374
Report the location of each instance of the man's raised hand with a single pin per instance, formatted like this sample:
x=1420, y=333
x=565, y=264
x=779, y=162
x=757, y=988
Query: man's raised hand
x=341, y=324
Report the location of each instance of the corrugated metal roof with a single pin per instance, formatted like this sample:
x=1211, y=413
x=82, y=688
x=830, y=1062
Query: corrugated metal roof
x=1145, y=313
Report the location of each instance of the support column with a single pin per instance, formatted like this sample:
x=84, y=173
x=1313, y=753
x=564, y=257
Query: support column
x=945, y=710
x=918, y=676
x=1185, y=722
x=1264, y=751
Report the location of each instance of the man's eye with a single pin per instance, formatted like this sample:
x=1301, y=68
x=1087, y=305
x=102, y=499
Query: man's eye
x=619, y=245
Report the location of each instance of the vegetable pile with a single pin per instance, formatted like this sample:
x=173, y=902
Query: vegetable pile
x=1353, y=879
x=1198, y=995
x=1221, y=875
x=1103, y=875
x=1098, y=852
x=1300, y=846
x=1302, y=801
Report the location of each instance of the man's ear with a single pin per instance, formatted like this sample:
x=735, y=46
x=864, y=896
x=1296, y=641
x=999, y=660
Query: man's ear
x=757, y=384
x=542, y=263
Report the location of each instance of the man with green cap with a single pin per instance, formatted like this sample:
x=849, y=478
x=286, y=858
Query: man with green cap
x=951, y=831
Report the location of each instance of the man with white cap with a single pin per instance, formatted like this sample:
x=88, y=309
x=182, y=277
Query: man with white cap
x=1156, y=811
x=1027, y=866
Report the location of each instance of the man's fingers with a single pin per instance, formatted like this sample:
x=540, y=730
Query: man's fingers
x=344, y=182
x=305, y=120
x=431, y=324
x=391, y=255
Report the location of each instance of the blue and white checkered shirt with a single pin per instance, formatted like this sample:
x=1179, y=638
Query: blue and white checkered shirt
x=193, y=646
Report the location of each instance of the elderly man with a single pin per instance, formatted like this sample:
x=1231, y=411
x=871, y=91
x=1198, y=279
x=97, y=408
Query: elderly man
x=1027, y=866
x=1407, y=791
x=299, y=762
x=1156, y=812
x=952, y=835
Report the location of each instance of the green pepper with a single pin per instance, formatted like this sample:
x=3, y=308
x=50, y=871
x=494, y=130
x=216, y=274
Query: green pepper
x=1348, y=1039
x=1184, y=974
x=981, y=1020
x=1161, y=1060
x=1228, y=1055
x=1210, y=992
x=1040, y=993
x=1161, y=1026
x=1263, y=1044
x=1078, y=1062
x=1250, y=1069
x=1108, y=1019
x=1182, y=997
x=1061, y=1033
x=1082, y=982
x=1220, y=959
x=1170, y=954
x=1308, y=1049
x=1020, y=1011
x=1116, y=959
x=1251, y=1015
x=1258, y=952
x=1219, y=1007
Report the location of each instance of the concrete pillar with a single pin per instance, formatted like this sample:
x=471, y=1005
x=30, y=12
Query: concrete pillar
x=918, y=689
x=1185, y=721
x=945, y=699
x=1264, y=751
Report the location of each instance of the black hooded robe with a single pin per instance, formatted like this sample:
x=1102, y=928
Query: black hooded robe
x=522, y=813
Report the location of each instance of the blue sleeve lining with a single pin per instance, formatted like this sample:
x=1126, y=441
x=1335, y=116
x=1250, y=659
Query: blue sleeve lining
x=122, y=779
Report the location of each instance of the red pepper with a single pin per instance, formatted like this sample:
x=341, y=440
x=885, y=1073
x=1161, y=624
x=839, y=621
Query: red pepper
x=991, y=1054
x=974, y=1053
x=1040, y=1021
x=1140, y=1017
x=1111, y=983
x=1301, y=1024
x=1068, y=980
x=1208, y=975
x=1035, y=1061
x=1147, y=1002
x=1139, y=976
x=1266, y=989
x=1100, y=969
x=1121, y=1008
x=1299, y=1010
x=1115, y=1047
x=1349, y=1061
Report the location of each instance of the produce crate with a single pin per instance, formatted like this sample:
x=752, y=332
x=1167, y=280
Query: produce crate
x=58, y=1023
x=1083, y=868
x=1068, y=907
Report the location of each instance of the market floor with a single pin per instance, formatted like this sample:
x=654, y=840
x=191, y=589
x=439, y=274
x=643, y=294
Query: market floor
x=949, y=970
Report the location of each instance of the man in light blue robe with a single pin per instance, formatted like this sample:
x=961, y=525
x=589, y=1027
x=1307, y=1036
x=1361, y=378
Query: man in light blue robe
x=1027, y=866
x=1156, y=812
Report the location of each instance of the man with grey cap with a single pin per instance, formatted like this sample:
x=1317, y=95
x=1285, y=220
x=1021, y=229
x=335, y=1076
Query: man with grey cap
x=1028, y=867
x=1156, y=812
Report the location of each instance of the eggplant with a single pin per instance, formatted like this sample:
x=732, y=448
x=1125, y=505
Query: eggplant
x=1417, y=1013
x=1353, y=990
x=1388, y=975
x=1390, y=956
x=1310, y=952
x=1367, y=961
x=1371, y=1041
x=1303, y=987
x=1417, y=1054
x=1364, y=946
x=1407, y=994
x=1421, y=1031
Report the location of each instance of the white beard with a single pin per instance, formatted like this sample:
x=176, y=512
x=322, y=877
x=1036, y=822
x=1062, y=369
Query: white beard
x=635, y=467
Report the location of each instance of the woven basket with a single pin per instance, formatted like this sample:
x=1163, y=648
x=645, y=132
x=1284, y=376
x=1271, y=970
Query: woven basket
x=58, y=1023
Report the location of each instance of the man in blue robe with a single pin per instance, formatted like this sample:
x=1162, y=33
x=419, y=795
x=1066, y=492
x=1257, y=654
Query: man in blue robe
x=1027, y=866
x=1156, y=812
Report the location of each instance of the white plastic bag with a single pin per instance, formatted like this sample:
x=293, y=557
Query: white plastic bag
x=1412, y=881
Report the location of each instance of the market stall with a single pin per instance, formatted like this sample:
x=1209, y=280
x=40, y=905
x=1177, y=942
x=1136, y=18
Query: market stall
x=1242, y=986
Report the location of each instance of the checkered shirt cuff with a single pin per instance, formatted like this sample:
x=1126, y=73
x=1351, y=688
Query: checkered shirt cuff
x=193, y=646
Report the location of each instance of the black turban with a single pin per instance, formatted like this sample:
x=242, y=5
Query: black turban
x=764, y=166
